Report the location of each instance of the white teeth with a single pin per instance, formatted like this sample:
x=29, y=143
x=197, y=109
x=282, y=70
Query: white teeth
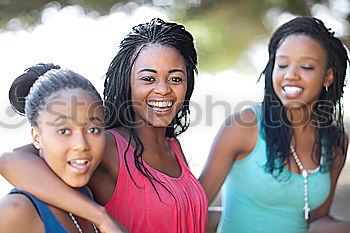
x=291, y=90
x=79, y=161
x=160, y=104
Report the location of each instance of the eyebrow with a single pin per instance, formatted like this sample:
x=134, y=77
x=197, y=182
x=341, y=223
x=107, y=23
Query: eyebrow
x=95, y=119
x=154, y=71
x=64, y=117
x=305, y=57
x=147, y=70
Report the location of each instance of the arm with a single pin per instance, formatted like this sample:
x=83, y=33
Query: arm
x=328, y=224
x=234, y=141
x=321, y=221
x=22, y=168
x=214, y=214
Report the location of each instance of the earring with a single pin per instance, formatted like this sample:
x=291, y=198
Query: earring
x=326, y=88
x=37, y=146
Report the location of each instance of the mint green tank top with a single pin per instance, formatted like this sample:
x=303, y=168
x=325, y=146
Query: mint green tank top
x=255, y=202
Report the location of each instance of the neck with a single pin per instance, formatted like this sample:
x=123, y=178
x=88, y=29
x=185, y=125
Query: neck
x=153, y=138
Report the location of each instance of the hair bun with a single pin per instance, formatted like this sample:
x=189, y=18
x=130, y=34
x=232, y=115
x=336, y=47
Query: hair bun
x=20, y=87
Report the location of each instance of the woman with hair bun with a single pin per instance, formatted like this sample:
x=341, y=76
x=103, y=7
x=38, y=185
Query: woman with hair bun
x=143, y=180
x=66, y=115
x=279, y=162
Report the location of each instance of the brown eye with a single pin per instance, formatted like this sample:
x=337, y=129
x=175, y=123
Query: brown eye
x=176, y=79
x=63, y=131
x=148, y=79
x=94, y=130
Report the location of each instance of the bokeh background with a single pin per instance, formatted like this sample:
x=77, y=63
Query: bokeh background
x=231, y=37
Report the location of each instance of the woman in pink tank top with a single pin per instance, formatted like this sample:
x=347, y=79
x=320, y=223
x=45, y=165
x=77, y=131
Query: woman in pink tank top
x=143, y=180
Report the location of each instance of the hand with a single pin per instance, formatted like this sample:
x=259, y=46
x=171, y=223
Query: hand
x=326, y=225
x=110, y=225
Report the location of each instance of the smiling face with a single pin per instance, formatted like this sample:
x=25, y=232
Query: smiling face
x=70, y=135
x=300, y=71
x=158, y=85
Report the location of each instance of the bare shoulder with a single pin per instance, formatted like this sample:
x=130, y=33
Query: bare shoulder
x=241, y=131
x=18, y=214
x=245, y=119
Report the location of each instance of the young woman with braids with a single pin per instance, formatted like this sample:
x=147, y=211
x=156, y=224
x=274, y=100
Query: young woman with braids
x=70, y=142
x=143, y=179
x=279, y=161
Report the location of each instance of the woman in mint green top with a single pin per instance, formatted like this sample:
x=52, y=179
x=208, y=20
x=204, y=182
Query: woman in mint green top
x=279, y=161
x=251, y=195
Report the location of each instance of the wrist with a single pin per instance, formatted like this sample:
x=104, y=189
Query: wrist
x=101, y=214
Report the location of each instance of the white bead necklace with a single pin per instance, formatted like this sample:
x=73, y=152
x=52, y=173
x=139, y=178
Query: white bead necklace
x=305, y=173
x=77, y=224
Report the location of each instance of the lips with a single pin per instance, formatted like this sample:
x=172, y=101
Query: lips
x=79, y=165
x=160, y=106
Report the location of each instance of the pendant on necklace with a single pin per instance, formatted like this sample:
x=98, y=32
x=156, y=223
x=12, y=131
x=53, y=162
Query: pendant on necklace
x=305, y=173
x=306, y=211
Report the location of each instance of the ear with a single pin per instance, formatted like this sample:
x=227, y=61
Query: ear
x=36, y=138
x=329, y=78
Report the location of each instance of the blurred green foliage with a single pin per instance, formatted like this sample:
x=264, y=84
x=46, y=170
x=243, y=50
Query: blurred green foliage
x=223, y=29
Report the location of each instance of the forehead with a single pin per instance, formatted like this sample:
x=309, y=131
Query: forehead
x=302, y=45
x=74, y=103
x=159, y=55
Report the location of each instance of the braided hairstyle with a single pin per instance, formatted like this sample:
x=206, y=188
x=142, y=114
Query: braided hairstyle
x=327, y=111
x=117, y=92
x=30, y=91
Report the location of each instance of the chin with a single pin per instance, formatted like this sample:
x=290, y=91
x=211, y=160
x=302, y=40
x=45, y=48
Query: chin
x=77, y=183
x=294, y=105
x=162, y=124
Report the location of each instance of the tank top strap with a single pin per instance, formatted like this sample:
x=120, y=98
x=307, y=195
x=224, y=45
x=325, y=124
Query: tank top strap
x=178, y=153
x=49, y=220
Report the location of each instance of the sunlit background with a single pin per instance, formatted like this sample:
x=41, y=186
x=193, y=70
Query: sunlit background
x=231, y=38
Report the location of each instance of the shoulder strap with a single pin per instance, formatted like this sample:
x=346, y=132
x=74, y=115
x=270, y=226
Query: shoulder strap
x=178, y=153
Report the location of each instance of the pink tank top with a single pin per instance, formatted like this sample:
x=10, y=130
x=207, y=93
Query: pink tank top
x=139, y=209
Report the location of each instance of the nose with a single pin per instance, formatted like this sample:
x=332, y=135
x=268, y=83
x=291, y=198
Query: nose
x=162, y=88
x=291, y=73
x=80, y=142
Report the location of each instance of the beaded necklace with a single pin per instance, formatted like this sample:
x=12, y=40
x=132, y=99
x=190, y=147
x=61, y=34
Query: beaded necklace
x=77, y=224
x=305, y=173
